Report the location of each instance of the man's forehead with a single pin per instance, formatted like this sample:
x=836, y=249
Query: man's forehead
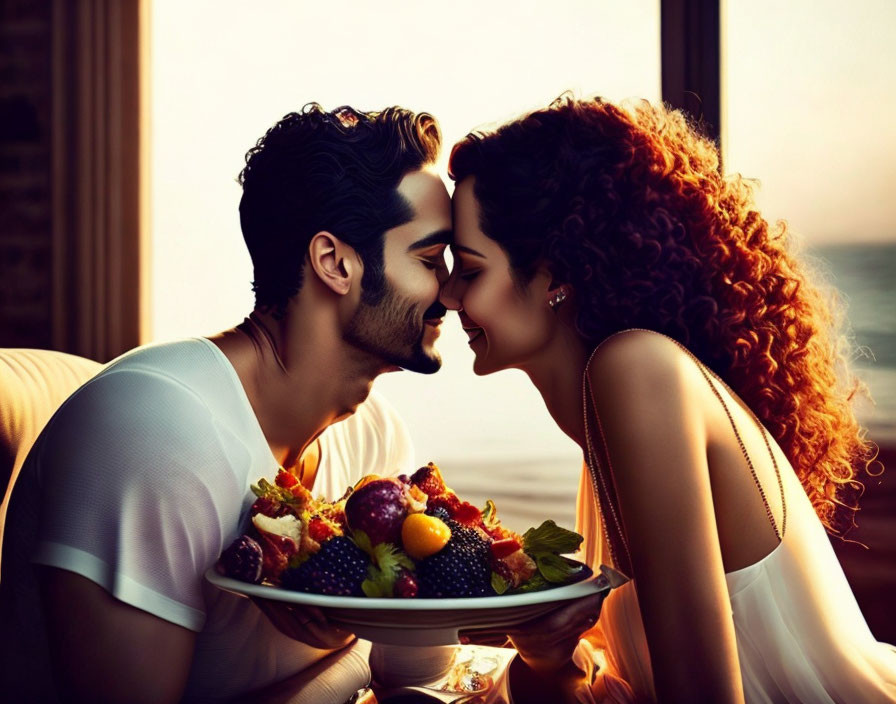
x=422, y=184
x=431, y=223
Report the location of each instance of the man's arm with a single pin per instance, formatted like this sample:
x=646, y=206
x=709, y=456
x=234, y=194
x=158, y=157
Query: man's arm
x=104, y=650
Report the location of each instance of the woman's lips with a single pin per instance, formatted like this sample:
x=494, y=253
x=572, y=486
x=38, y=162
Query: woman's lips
x=473, y=333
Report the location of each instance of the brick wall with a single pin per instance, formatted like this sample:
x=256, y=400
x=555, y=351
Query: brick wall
x=25, y=160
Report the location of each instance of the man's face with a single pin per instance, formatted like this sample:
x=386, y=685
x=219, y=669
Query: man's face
x=403, y=327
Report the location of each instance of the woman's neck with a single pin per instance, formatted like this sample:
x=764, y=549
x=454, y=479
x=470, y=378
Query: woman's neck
x=557, y=374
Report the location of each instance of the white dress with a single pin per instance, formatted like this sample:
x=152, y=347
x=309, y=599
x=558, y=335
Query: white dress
x=800, y=634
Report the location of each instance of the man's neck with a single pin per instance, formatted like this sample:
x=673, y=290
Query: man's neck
x=299, y=375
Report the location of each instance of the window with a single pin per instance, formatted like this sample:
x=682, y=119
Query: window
x=223, y=73
x=809, y=112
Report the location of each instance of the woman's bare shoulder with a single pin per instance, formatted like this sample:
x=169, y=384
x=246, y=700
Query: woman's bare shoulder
x=642, y=358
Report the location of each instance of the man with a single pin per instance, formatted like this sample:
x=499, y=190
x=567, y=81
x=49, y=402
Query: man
x=141, y=478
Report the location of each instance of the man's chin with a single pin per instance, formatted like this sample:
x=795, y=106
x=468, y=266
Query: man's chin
x=423, y=363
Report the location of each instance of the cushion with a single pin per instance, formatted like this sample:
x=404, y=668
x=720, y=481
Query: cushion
x=33, y=384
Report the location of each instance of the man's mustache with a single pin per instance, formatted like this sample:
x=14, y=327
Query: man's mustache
x=436, y=310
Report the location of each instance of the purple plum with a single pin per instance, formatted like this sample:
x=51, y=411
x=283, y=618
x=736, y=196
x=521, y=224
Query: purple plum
x=377, y=509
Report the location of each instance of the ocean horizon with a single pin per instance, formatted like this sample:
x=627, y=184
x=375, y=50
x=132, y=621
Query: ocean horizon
x=533, y=489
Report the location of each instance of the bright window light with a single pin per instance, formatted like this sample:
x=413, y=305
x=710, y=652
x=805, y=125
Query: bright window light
x=223, y=72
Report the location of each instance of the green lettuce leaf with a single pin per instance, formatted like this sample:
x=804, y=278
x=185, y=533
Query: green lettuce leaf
x=499, y=584
x=550, y=538
x=557, y=569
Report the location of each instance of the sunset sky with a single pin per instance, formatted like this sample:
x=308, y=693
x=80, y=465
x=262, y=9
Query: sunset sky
x=809, y=109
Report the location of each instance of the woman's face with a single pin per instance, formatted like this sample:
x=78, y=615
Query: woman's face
x=507, y=326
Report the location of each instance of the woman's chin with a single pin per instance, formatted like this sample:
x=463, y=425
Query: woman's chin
x=482, y=367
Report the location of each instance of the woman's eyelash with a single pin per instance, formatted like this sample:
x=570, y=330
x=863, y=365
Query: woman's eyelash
x=468, y=275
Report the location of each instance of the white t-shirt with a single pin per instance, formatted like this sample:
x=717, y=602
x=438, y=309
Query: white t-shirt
x=142, y=478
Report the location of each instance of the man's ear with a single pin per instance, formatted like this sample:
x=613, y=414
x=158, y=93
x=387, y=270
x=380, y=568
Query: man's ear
x=335, y=263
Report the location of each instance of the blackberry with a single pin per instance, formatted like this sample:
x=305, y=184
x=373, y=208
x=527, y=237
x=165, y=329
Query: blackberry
x=337, y=569
x=469, y=538
x=242, y=560
x=439, y=512
x=460, y=569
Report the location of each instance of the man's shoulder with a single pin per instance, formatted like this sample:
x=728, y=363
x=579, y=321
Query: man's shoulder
x=161, y=385
x=180, y=359
x=192, y=368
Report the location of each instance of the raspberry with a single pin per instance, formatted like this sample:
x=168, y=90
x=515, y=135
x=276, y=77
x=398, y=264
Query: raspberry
x=267, y=507
x=460, y=569
x=318, y=529
x=448, y=502
x=337, y=569
x=429, y=479
x=406, y=586
x=467, y=513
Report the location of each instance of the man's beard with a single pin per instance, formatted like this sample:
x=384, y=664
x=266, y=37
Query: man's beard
x=393, y=330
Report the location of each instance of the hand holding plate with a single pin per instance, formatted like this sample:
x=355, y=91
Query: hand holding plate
x=307, y=624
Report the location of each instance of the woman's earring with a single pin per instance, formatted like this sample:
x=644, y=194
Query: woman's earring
x=559, y=296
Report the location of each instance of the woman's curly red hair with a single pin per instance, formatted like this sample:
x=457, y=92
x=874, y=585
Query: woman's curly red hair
x=627, y=205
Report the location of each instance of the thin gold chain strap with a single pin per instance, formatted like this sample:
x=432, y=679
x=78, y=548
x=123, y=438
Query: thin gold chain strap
x=706, y=375
x=597, y=477
x=596, y=474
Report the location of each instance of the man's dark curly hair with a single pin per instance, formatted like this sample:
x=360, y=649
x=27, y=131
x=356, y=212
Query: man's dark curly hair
x=627, y=205
x=336, y=171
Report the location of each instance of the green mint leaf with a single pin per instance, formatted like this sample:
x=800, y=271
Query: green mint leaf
x=360, y=538
x=499, y=584
x=557, y=569
x=377, y=585
x=387, y=563
x=550, y=538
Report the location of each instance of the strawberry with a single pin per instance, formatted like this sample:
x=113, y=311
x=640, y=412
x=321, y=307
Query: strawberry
x=503, y=548
x=286, y=480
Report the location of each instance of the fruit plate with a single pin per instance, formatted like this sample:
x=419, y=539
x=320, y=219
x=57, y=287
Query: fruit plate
x=420, y=621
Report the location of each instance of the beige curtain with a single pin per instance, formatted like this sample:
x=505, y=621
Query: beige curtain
x=99, y=180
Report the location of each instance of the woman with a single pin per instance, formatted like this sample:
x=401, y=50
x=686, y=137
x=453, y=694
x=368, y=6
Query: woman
x=674, y=337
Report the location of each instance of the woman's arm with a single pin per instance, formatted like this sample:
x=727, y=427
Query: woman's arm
x=651, y=401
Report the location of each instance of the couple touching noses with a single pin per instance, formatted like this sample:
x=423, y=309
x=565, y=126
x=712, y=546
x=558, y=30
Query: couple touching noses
x=670, y=330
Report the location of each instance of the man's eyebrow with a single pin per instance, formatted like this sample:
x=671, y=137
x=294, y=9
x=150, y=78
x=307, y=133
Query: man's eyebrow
x=466, y=250
x=432, y=239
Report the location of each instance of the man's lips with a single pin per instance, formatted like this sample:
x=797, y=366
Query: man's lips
x=434, y=325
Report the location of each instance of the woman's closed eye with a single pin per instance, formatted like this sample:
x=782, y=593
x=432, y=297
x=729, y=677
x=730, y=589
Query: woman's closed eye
x=468, y=274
